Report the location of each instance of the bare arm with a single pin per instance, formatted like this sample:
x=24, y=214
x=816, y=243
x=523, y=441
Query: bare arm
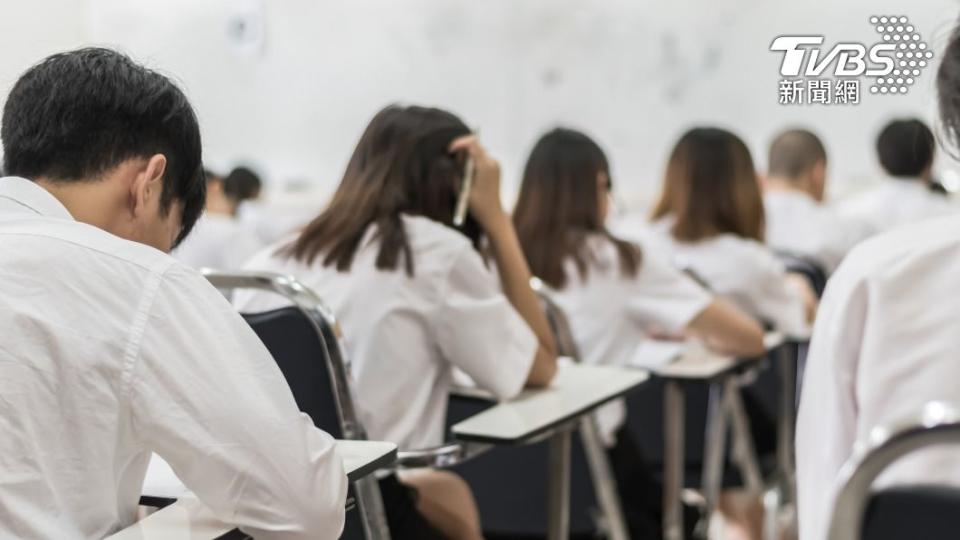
x=486, y=208
x=726, y=329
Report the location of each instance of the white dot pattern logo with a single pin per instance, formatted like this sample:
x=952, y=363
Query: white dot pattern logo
x=911, y=53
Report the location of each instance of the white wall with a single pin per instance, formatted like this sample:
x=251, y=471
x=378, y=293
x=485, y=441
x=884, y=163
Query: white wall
x=634, y=74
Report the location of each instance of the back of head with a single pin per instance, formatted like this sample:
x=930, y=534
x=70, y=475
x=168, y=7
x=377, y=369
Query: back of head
x=77, y=115
x=401, y=165
x=905, y=148
x=948, y=89
x=794, y=153
x=560, y=203
x=242, y=184
x=711, y=188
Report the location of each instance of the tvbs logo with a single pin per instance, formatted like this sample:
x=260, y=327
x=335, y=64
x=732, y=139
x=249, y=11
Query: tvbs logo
x=894, y=62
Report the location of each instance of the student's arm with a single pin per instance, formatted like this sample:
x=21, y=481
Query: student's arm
x=726, y=329
x=486, y=208
x=672, y=300
x=207, y=397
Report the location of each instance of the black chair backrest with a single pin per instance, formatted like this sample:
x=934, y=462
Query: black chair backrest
x=916, y=512
x=302, y=356
x=806, y=267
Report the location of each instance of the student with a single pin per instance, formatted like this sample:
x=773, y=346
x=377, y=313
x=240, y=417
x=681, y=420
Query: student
x=242, y=185
x=219, y=240
x=885, y=344
x=906, y=150
x=710, y=220
x=613, y=293
x=797, y=221
x=112, y=349
x=416, y=298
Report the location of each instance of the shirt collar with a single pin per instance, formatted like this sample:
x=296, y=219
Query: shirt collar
x=32, y=198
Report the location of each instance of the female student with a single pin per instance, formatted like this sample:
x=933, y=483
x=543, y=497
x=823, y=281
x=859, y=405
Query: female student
x=416, y=298
x=612, y=293
x=710, y=219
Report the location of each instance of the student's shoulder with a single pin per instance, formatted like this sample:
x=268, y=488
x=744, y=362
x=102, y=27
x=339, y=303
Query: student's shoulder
x=87, y=244
x=743, y=249
x=886, y=252
x=435, y=246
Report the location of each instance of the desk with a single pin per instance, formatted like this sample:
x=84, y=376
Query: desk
x=188, y=518
x=696, y=363
x=552, y=412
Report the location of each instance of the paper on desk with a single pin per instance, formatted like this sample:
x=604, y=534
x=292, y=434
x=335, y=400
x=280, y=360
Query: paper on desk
x=653, y=353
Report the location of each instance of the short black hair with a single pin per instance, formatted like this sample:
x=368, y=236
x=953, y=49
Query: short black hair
x=242, y=184
x=794, y=152
x=948, y=90
x=905, y=148
x=78, y=114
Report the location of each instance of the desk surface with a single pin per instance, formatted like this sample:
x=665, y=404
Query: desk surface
x=360, y=458
x=696, y=362
x=577, y=388
x=184, y=519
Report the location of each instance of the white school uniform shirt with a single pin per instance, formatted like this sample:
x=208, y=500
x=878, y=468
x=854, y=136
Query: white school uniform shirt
x=610, y=313
x=743, y=271
x=896, y=202
x=112, y=350
x=218, y=241
x=884, y=344
x=798, y=224
x=404, y=335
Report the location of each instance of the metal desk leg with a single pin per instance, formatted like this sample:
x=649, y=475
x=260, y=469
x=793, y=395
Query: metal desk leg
x=716, y=439
x=370, y=505
x=744, y=451
x=786, y=425
x=674, y=457
x=604, y=483
x=558, y=483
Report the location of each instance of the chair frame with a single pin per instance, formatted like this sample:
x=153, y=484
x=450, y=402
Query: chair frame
x=368, y=499
x=937, y=423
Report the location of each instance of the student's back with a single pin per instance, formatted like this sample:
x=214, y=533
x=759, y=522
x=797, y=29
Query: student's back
x=404, y=334
x=884, y=345
x=111, y=349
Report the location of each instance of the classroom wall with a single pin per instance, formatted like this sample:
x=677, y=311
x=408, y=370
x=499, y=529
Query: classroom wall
x=288, y=85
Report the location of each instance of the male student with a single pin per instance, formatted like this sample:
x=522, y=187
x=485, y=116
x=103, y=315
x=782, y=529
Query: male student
x=219, y=240
x=797, y=221
x=905, y=149
x=109, y=348
x=885, y=343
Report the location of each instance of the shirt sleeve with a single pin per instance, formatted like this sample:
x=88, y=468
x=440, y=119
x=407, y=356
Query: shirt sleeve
x=479, y=331
x=826, y=422
x=208, y=398
x=664, y=296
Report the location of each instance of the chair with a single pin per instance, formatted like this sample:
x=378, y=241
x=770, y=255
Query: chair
x=898, y=512
x=304, y=341
x=810, y=269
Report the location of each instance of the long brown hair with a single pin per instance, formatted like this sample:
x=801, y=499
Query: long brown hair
x=711, y=188
x=558, y=206
x=400, y=166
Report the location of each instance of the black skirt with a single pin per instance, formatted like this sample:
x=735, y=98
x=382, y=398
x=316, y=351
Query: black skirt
x=403, y=518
